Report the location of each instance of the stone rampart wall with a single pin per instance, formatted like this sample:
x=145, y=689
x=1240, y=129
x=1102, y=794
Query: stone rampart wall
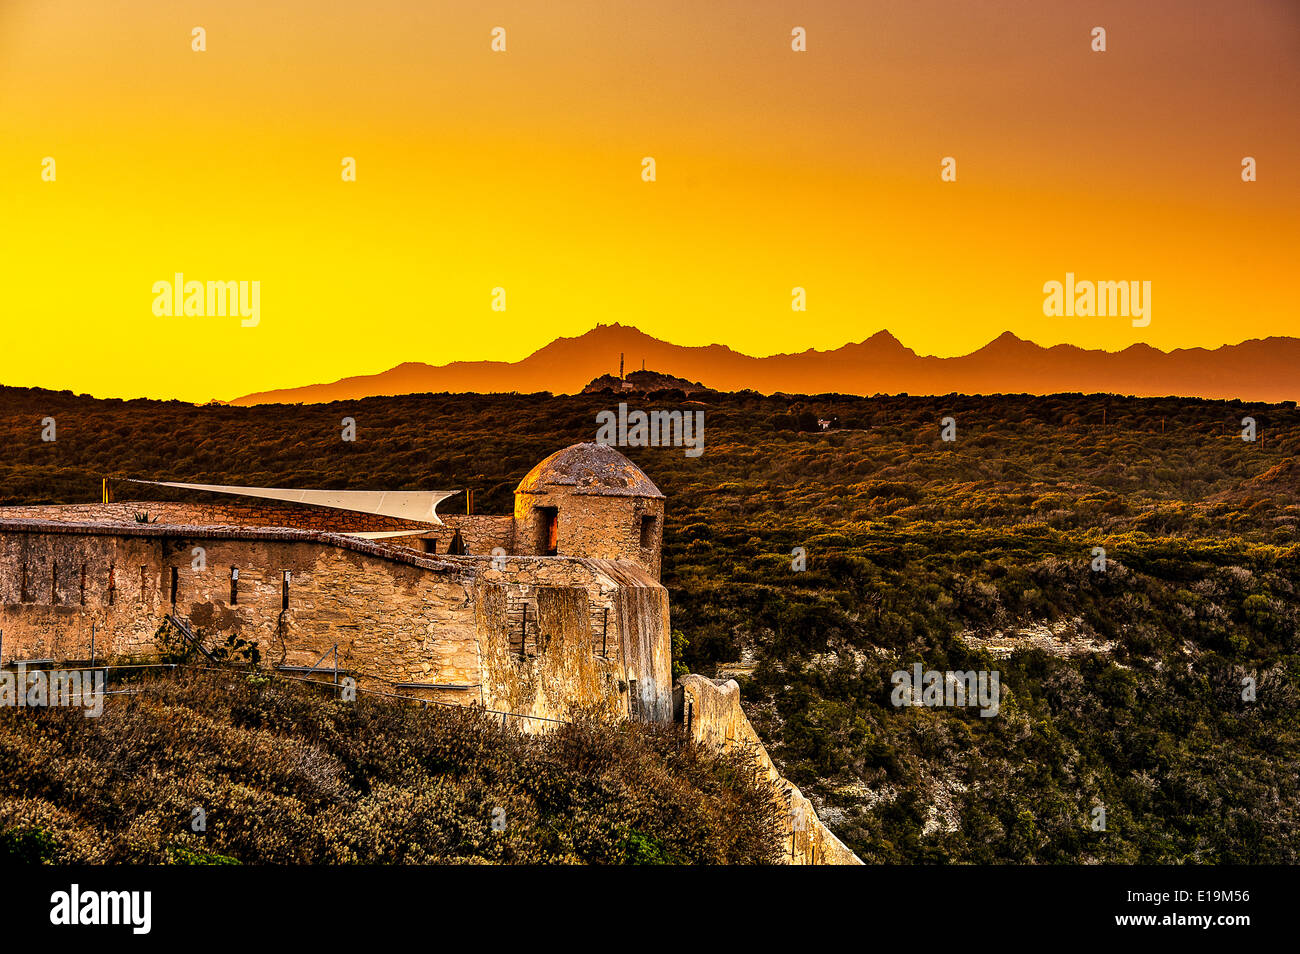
x=712, y=712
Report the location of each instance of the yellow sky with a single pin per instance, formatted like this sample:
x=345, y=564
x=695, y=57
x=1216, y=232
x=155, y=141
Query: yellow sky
x=522, y=170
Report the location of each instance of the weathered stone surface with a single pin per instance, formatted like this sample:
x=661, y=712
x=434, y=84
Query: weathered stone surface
x=589, y=469
x=480, y=534
x=222, y=513
x=605, y=528
x=438, y=626
x=712, y=712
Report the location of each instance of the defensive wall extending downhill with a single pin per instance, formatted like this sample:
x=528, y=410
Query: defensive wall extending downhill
x=710, y=710
x=546, y=612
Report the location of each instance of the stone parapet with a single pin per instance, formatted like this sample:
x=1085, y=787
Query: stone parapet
x=711, y=710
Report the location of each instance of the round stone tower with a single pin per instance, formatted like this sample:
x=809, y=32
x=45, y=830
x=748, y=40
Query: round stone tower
x=589, y=500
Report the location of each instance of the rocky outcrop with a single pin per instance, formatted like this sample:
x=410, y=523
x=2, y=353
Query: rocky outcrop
x=644, y=382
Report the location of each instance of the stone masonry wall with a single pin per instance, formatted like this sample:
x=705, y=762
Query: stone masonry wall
x=481, y=534
x=578, y=654
x=442, y=627
x=225, y=513
x=712, y=710
x=393, y=621
x=590, y=525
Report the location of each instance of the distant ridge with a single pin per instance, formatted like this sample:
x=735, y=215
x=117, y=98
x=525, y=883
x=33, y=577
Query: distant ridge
x=1265, y=369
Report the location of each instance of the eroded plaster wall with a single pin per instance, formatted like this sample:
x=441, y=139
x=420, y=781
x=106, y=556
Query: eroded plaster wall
x=592, y=643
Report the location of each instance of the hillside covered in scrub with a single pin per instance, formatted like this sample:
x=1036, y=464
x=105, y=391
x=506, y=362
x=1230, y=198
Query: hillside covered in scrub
x=1163, y=690
x=283, y=773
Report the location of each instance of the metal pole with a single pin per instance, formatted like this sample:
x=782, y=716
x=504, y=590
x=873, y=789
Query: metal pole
x=92, y=643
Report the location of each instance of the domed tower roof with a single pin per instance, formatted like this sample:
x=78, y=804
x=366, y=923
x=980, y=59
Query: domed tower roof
x=595, y=469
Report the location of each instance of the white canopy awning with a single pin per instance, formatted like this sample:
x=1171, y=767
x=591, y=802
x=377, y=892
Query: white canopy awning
x=417, y=505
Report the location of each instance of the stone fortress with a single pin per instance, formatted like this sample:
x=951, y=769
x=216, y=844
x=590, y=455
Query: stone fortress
x=554, y=608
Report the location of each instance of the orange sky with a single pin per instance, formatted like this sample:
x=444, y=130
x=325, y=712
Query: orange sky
x=522, y=170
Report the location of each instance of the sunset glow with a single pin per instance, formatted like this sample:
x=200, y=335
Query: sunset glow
x=522, y=170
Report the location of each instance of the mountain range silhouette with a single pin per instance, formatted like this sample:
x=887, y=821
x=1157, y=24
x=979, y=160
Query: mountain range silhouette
x=1254, y=370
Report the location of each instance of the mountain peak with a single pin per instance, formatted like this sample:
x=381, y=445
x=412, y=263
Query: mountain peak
x=1009, y=338
x=1007, y=343
x=614, y=329
x=884, y=338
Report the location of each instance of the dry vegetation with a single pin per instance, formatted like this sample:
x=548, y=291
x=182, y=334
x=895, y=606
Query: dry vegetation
x=286, y=774
x=917, y=550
